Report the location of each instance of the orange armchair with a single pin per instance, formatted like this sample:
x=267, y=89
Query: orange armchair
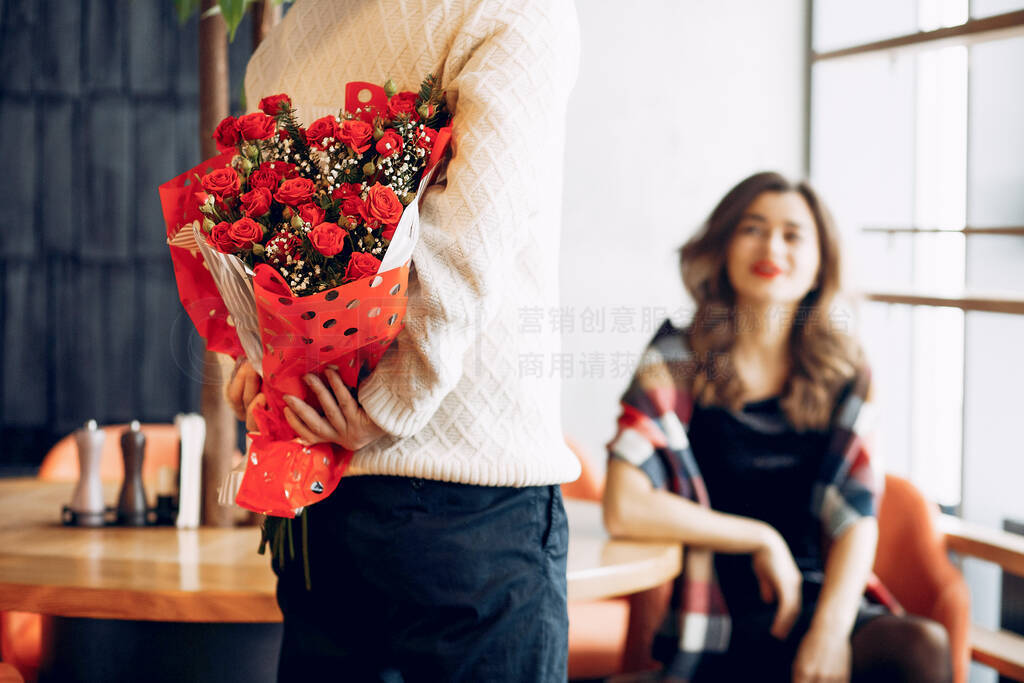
x=912, y=562
x=597, y=628
x=8, y=674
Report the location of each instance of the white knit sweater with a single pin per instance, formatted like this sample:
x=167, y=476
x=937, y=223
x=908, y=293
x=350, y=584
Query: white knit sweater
x=458, y=392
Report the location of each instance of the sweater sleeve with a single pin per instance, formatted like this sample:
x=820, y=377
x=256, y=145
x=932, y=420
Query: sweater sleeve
x=508, y=78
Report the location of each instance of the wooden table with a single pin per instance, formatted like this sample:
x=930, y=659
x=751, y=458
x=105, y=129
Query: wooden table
x=160, y=603
x=216, y=575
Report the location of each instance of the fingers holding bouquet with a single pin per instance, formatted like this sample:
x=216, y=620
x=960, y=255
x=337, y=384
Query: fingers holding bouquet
x=342, y=420
x=242, y=387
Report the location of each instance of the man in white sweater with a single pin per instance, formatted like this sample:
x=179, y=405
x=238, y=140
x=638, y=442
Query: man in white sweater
x=441, y=555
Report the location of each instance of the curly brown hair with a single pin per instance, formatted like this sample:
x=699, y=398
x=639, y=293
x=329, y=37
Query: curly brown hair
x=822, y=358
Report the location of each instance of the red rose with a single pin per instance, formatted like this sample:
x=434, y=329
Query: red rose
x=390, y=143
x=245, y=232
x=347, y=191
x=256, y=202
x=356, y=134
x=403, y=103
x=382, y=203
x=256, y=126
x=389, y=232
x=361, y=265
x=220, y=240
x=322, y=132
x=281, y=246
x=222, y=182
x=295, y=191
x=427, y=138
x=282, y=169
x=264, y=179
x=226, y=134
x=311, y=213
x=354, y=206
x=328, y=239
x=271, y=105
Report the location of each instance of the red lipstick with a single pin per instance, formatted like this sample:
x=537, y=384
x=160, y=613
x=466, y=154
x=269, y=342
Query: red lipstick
x=766, y=269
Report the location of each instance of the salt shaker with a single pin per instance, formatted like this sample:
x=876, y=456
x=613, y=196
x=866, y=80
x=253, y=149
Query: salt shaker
x=87, y=502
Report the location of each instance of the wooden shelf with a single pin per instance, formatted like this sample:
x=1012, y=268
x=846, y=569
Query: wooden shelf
x=1012, y=304
x=972, y=31
x=1001, y=650
x=1009, y=231
x=986, y=543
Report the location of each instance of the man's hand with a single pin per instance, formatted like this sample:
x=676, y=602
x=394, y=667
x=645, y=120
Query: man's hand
x=259, y=401
x=242, y=388
x=343, y=422
x=823, y=657
x=780, y=581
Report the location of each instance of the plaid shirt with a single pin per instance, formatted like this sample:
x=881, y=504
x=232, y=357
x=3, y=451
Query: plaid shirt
x=652, y=435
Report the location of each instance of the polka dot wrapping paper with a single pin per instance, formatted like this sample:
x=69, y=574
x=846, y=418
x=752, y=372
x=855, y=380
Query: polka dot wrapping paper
x=348, y=327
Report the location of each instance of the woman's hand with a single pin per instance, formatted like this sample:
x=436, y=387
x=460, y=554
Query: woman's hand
x=344, y=422
x=779, y=580
x=823, y=657
x=242, y=387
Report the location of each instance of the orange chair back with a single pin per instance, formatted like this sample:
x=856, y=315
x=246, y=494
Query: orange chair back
x=61, y=462
x=8, y=674
x=911, y=561
x=20, y=646
x=590, y=485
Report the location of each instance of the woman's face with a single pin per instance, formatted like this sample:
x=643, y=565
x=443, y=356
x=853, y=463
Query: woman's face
x=774, y=254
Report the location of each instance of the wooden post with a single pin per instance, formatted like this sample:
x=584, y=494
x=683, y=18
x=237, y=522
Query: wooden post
x=221, y=426
x=265, y=15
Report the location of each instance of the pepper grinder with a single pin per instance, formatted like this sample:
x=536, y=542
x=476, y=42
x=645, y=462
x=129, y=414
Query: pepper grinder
x=131, y=504
x=87, y=507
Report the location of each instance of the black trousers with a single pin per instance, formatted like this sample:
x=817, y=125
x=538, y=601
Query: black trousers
x=756, y=655
x=415, y=580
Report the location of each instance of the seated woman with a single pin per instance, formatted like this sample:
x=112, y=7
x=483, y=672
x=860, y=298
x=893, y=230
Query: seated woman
x=743, y=437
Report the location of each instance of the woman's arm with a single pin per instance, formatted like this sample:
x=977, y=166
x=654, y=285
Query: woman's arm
x=824, y=653
x=847, y=567
x=634, y=508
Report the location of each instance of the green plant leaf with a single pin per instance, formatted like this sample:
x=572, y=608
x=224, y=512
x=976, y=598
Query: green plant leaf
x=185, y=9
x=232, y=11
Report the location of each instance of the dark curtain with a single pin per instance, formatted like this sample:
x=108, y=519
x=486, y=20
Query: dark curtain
x=98, y=106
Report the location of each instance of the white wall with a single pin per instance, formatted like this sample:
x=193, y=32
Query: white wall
x=677, y=100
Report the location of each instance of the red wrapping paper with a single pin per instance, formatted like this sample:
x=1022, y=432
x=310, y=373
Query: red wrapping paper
x=348, y=327
x=180, y=199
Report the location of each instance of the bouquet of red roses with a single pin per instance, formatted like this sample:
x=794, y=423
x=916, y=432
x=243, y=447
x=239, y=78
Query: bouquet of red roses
x=293, y=247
